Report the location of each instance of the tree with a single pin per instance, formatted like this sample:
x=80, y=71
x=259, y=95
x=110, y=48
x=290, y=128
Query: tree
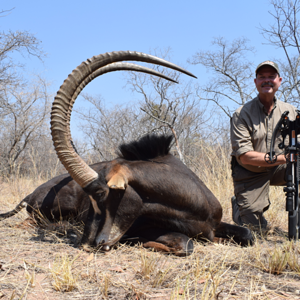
x=168, y=106
x=285, y=34
x=22, y=42
x=24, y=104
x=231, y=84
x=22, y=120
x=105, y=129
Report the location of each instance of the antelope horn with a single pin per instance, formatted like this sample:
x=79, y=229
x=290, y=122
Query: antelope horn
x=118, y=66
x=70, y=89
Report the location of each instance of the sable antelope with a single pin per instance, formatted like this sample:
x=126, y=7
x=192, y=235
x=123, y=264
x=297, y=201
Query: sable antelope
x=146, y=192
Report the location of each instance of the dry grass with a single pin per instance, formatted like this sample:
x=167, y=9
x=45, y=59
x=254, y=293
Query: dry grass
x=37, y=264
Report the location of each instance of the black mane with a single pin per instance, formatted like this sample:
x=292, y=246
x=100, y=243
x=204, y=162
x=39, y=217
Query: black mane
x=147, y=147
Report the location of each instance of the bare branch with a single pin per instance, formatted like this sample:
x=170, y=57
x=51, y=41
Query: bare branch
x=232, y=76
x=284, y=34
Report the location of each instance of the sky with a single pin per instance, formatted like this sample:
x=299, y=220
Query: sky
x=73, y=31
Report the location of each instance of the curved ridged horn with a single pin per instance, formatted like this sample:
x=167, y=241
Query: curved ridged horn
x=117, y=66
x=70, y=89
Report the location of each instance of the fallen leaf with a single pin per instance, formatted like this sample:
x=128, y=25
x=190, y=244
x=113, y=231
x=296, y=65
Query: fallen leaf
x=201, y=281
x=116, y=269
x=90, y=257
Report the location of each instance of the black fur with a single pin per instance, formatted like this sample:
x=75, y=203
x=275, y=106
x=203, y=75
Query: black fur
x=146, y=148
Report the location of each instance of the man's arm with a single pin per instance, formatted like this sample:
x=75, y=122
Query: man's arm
x=255, y=158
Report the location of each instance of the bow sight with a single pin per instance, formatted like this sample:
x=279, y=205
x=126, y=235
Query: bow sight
x=291, y=151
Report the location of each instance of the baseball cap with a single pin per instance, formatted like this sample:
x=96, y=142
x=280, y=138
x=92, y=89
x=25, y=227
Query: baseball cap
x=268, y=63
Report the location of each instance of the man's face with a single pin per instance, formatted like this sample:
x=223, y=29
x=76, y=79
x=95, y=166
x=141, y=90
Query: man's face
x=267, y=80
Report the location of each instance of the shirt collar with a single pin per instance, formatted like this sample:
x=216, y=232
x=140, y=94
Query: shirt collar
x=262, y=106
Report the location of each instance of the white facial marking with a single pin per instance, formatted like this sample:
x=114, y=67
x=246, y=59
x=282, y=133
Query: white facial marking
x=95, y=206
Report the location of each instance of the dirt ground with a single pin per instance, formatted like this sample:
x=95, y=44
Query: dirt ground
x=47, y=263
x=43, y=264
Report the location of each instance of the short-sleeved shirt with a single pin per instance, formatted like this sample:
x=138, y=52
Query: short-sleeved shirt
x=252, y=129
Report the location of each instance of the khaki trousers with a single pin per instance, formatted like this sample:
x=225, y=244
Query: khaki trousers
x=251, y=190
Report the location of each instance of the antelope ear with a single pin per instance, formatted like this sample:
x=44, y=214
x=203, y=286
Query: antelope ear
x=118, y=182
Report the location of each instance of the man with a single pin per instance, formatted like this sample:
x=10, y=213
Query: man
x=252, y=126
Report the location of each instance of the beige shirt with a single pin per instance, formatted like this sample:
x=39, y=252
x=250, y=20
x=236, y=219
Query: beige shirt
x=252, y=129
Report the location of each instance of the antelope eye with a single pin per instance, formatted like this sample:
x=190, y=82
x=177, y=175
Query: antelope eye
x=101, y=194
